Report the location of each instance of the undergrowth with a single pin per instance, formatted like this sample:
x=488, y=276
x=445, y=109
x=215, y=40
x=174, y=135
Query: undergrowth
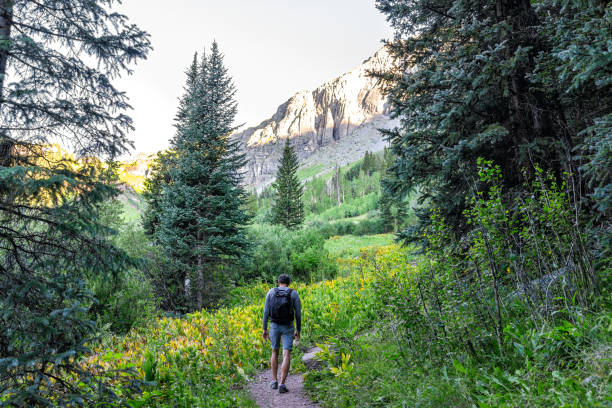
x=204, y=359
x=512, y=314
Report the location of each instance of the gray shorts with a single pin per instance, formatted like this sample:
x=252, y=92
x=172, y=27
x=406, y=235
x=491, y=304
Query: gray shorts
x=278, y=331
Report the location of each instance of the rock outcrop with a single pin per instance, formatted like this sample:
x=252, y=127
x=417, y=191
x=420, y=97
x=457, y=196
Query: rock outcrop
x=310, y=358
x=335, y=123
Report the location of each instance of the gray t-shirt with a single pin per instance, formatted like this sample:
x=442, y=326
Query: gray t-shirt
x=297, y=308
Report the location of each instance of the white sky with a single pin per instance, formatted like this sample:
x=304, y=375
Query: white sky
x=272, y=48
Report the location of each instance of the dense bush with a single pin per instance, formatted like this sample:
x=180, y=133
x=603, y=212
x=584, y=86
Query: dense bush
x=371, y=226
x=326, y=229
x=368, y=226
x=157, y=270
x=344, y=228
x=271, y=252
x=123, y=301
x=309, y=258
x=127, y=297
x=526, y=261
x=277, y=250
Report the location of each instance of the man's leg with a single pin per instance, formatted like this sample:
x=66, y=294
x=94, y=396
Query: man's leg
x=274, y=364
x=285, y=366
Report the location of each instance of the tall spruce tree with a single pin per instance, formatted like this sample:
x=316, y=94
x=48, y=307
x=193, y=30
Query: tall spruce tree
x=288, y=208
x=495, y=79
x=57, y=62
x=170, y=283
x=203, y=207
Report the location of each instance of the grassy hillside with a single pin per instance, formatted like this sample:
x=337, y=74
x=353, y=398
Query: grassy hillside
x=350, y=246
x=309, y=172
x=345, y=201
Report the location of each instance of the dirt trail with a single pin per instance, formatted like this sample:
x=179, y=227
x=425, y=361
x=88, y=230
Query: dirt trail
x=268, y=398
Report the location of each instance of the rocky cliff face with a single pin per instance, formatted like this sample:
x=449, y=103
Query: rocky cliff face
x=335, y=123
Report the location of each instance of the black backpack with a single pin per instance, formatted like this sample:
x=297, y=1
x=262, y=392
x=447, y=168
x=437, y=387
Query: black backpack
x=281, y=307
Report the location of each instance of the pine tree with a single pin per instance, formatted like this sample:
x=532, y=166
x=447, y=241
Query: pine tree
x=492, y=79
x=174, y=281
x=369, y=163
x=170, y=284
x=159, y=171
x=57, y=61
x=288, y=209
x=203, y=206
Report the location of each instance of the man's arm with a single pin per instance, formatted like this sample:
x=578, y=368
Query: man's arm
x=266, y=314
x=297, y=307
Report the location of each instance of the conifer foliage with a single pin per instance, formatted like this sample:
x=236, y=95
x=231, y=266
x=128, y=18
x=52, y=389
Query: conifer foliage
x=394, y=212
x=202, y=211
x=288, y=209
x=57, y=61
x=508, y=81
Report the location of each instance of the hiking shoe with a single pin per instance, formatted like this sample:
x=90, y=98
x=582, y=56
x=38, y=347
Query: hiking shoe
x=282, y=389
x=274, y=385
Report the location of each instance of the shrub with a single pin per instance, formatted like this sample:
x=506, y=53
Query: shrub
x=156, y=268
x=271, y=251
x=523, y=261
x=371, y=227
x=124, y=301
x=326, y=229
x=344, y=228
x=309, y=258
x=276, y=250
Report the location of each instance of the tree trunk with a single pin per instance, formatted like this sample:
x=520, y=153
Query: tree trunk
x=6, y=151
x=200, y=297
x=200, y=283
x=528, y=110
x=6, y=21
x=338, y=184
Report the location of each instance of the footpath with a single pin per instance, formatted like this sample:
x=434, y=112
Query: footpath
x=295, y=398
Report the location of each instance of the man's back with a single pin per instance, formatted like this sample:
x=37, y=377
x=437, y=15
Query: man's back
x=296, y=312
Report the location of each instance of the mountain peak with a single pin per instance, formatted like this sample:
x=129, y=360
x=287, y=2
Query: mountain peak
x=335, y=123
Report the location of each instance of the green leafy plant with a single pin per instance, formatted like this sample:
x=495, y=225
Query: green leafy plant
x=149, y=366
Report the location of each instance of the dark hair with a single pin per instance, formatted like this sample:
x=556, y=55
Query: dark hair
x=284, y=278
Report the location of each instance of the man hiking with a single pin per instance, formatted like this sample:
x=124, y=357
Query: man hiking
x=282, y=305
